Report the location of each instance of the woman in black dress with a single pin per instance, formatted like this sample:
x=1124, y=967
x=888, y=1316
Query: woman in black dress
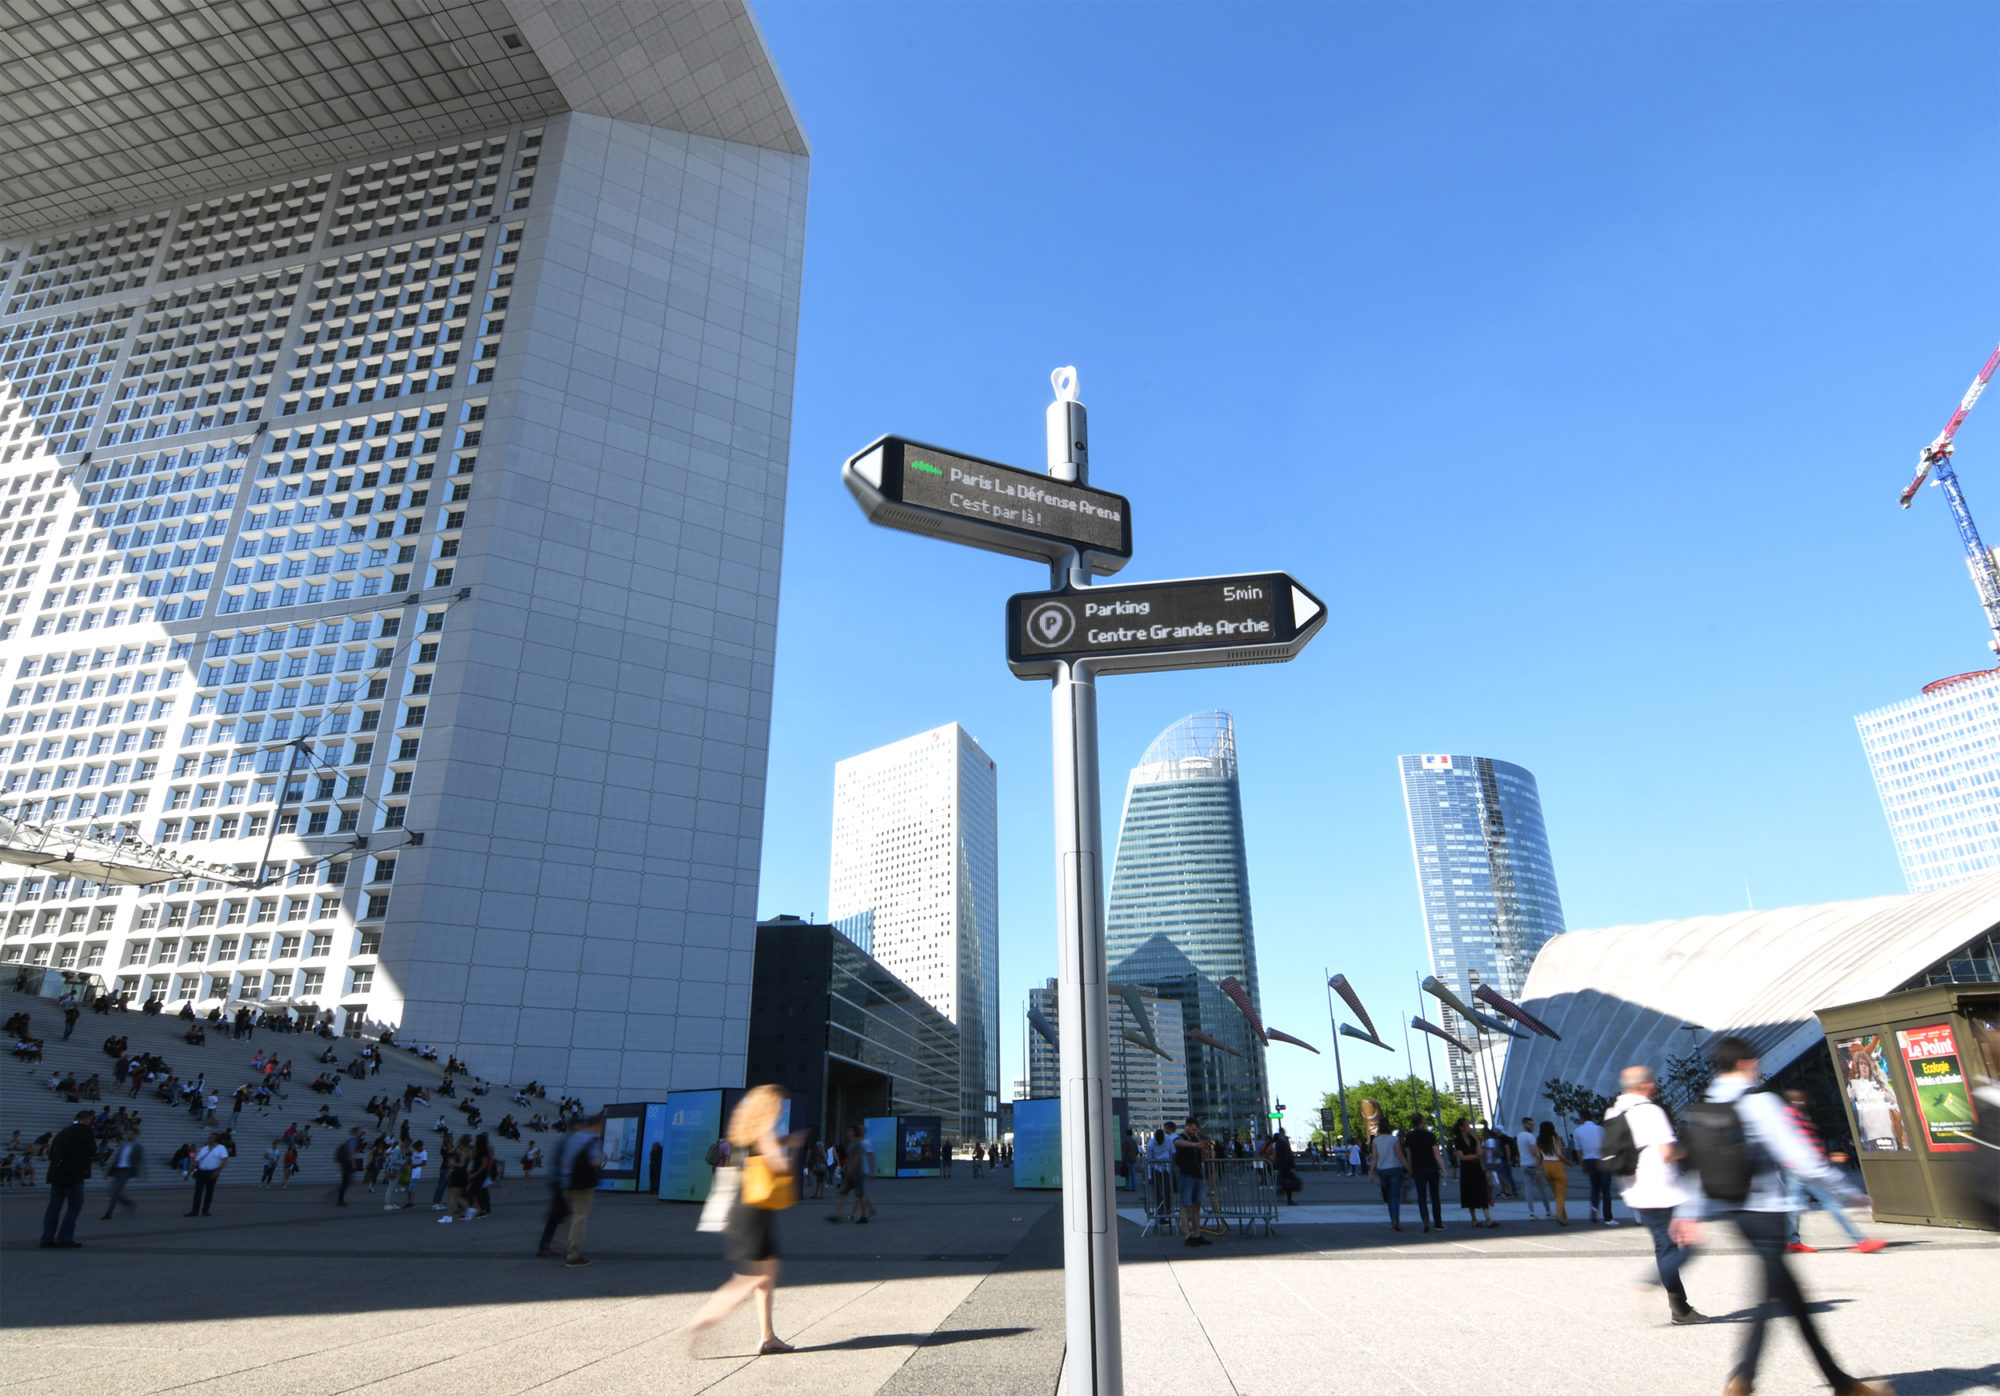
x=1475, y=1193
x=750, y=1239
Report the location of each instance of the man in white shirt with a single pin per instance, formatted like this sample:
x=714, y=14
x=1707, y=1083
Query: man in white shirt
x=1590, y=1148
x=1775, y=1146
x=1535, y=1183
x=209, y=1161
x=1653, y=1190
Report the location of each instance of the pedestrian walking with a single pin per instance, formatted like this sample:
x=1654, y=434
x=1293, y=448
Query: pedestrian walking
x=70, y=1156
x=573, y=1183
x=1534, y=1182
x=1806, y=1192
x=1475, y=1192
x=349, y=1157
x=209, y=1161
x=1191, y=1154
x=857, y=1165
x=1639, y=1152
x=1742, y=1144
x=1590, y=1154
x=1420, y=1149
x=1549, y=1153
x=128, y=1161
x=1387, y=1163
x=768, y=1185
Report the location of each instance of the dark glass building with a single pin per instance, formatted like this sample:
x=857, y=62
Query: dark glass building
x=1178, y=921
x=847, y=1038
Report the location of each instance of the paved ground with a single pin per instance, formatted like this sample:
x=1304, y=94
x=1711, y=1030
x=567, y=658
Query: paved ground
x=957, y=1288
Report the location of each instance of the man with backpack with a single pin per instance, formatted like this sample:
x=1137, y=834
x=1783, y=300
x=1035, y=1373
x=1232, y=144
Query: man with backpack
x=1742, y=1143
x=1638, y=1149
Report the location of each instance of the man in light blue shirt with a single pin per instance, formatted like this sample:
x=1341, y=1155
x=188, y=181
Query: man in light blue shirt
x=1777, y=1147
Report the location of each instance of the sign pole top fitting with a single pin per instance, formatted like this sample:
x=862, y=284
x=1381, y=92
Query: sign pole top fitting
x=1064, y=381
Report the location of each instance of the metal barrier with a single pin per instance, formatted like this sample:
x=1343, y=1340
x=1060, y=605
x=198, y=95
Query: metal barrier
x=1163, y=1202
x=1242, y=1191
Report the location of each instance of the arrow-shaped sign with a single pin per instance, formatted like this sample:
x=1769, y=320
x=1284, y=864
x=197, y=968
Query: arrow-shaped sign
x=1197, y=623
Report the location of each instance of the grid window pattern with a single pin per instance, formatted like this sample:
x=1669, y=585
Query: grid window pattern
x=430, y=189
x=915, y=884
x=57, y=368
x=84, y=264
x=1936, y=762
x=242, y=229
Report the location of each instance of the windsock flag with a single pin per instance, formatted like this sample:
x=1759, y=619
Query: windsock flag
x=1340, y=986
x=1151, y=1046
x=1039, y=1021
x=1129, y=995
x=1520, y=1015
x=1215, y=1042
x=1230, y=987
x=1424, y=1025
x=1349, y=1030
x=1445, y=996
x=1275, y=1036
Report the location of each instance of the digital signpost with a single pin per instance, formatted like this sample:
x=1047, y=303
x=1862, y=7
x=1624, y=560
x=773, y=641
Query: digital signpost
x=1069, y=635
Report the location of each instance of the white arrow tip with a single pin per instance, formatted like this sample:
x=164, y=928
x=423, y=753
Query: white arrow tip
x=1304, y=608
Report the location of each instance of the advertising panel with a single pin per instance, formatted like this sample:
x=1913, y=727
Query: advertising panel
x=694, y=1121
x=622, y=1125
x=917, y=1146
x=1937, y=1080
x=652, y=1148
x=1038, y=1143
x=880, y=1131
x=1878, y=1115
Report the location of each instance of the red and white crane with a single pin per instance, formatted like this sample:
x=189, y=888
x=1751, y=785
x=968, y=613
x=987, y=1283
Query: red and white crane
x=1934, y=463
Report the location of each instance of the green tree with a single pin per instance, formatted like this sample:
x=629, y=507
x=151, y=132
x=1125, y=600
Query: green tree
x=1573, y=1102
x=1399, y=1100
x=1684, y=1080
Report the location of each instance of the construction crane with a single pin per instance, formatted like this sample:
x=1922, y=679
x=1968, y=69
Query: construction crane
x=1934, y=463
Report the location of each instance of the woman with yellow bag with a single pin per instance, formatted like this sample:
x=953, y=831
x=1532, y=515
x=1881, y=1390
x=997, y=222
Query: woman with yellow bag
x=767, y=1185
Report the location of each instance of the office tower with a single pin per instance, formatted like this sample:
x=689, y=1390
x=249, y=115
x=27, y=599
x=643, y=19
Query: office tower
x=1154, y=1089
x=394, y=436
x=1936, y=762
x=1485, y=881
x=916, y=884
x=1178, y=919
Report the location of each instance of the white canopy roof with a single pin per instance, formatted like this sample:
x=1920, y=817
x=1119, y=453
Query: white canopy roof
x=1624, y=995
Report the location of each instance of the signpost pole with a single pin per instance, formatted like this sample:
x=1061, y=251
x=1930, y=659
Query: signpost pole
x=1090, y=1238
x=1339, y=1079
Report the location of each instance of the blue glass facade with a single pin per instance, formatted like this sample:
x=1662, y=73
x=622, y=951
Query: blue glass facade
x=1178, y=921
x=1484, y=878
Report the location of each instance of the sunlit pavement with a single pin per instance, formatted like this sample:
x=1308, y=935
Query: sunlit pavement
x=956, y=1287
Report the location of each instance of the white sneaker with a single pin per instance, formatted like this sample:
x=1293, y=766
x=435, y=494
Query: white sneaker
x=1608, y=1221
x=437, y=1206
x=444, y=1221
x=389, y=1207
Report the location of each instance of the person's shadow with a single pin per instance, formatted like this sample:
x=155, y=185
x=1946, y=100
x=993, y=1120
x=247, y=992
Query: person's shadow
x=1943, y=1381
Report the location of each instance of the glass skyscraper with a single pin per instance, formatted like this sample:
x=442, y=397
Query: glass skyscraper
x=915, y=882
x=1179, y=915
x=1936, y=760
x=1484, y=878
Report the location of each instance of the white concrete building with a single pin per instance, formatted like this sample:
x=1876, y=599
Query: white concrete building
x=1936, y=761
x=1155, y=1090
x=394, y=412
x=916, y=883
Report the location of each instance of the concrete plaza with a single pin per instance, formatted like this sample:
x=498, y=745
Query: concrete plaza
x=957, y=1287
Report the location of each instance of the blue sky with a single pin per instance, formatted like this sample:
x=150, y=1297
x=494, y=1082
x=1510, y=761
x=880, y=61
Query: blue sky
x=1575, y=355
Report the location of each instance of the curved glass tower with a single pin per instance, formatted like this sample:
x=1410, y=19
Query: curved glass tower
x=1179, y=915
x=1484, y=878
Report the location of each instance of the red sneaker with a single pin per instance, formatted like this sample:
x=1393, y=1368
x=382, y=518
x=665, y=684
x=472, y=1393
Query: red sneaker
x=1795, y=1248
x=1871, y=1245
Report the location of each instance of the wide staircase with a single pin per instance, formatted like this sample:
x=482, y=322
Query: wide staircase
x=28, y=1105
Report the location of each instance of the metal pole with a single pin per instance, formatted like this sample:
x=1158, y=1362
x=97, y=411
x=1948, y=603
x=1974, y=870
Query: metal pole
x=1339, y=1080
x=1094, y=1361
x=284, y=793
x=1430, y=1066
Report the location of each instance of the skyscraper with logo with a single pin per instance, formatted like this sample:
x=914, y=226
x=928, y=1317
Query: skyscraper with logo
x=1485, y=881
x=1178, y=917
x=394, y=418
x=1936, y=762
x=915, y=882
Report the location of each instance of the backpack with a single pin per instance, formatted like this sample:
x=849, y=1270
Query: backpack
x=583, y=1171
x=1617, y=1154
x=1718, y=1150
